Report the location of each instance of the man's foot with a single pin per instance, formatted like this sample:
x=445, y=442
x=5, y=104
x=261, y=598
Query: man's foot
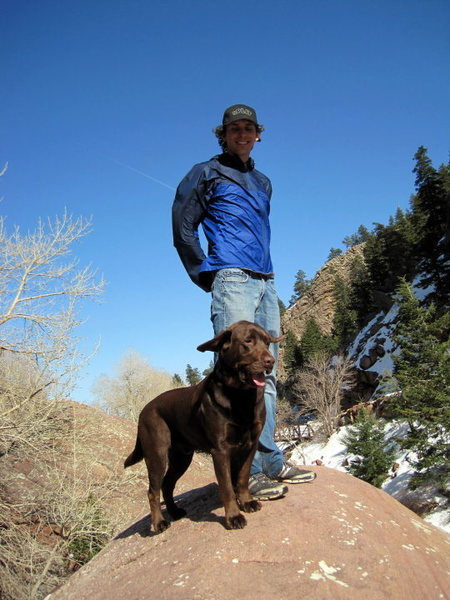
x=292, y=474
x=263, y=488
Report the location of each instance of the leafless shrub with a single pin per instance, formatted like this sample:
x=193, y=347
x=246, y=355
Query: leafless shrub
x=41, y=288
x=68, y=514
x=284, y=412
x=136, y=383
x=320, y=388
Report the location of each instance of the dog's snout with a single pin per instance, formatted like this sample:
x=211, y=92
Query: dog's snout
x=269, y=361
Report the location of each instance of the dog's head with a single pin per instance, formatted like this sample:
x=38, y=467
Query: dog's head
x=243, y=354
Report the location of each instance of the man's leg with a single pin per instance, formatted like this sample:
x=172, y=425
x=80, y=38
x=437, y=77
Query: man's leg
x=235, y=297
x=273, y=464
x=267, y=315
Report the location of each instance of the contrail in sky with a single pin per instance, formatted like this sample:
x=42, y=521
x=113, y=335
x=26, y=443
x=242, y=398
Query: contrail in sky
x=144, y=175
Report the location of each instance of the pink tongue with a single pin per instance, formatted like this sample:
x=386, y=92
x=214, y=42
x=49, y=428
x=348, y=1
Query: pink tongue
x=259, y=380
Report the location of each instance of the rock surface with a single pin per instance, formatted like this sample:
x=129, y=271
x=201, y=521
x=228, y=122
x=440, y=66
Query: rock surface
x=337, y=538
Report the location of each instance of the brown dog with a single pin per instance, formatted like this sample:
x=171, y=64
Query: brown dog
x=223, y=415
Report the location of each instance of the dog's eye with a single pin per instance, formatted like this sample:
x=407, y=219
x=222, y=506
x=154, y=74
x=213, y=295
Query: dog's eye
x=248, y=340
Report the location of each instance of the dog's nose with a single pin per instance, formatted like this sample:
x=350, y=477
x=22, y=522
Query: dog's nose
x=269, y=362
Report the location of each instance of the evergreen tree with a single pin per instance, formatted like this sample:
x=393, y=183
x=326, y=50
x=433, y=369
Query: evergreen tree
x=334, y=252
x=357, y=238
x=345, y=322
x=209, y=369
x=292, y=357
x=314, y=341
x=366, y=440
x=281, y=306
x=177, y=381
x=391, y=253
x=301, y=285
x=431, y=206
x=422, y=371
x=360, y=294
x=192, y=375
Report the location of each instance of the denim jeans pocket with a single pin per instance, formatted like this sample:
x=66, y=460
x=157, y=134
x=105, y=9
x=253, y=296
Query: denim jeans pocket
x=226, y=276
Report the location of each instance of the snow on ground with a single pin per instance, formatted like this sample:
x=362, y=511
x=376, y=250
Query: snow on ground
x=333, y=454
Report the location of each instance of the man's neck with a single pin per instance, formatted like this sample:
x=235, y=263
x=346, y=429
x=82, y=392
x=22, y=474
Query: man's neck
x=236, y=162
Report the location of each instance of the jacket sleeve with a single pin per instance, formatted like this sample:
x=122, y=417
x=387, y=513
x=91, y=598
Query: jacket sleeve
x=188, y=210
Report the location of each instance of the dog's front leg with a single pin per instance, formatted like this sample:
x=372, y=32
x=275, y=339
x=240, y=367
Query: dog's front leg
x=233, y=517
x=245, y=499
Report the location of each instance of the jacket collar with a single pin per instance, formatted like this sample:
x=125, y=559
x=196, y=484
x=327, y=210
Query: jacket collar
x=229, y=160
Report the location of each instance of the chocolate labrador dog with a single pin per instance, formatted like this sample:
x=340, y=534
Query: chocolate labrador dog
x=222, y=415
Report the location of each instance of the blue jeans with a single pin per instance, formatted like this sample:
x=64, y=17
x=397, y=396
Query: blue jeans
x=238, y=295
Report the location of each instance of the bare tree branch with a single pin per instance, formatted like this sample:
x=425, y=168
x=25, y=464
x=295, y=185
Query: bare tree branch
x=320, y=388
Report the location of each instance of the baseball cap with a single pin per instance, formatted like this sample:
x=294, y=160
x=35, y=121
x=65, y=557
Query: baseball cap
x=238, y=112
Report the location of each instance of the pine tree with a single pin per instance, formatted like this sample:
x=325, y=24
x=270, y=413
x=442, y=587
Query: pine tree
x=177, y=381
x=366, y=440
x=301, y=285
x=314, y=341
x=345, y=321
x=292, y=357
x=334, y=252
x=431, y=207
x=357, y=238
x=360, y=293
x=192, y=375
x=422, y=371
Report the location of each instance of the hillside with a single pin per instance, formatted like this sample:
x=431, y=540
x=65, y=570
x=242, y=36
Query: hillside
x=59, y=506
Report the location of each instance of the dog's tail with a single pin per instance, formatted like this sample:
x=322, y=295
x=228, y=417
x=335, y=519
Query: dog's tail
x=135, y=456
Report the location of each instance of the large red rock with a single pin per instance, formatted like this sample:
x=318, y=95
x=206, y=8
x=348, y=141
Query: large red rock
x=336, y=538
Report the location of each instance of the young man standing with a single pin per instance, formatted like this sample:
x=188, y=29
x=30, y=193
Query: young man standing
x=231, y=199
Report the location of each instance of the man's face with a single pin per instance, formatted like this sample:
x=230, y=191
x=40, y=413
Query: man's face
x=240, y=137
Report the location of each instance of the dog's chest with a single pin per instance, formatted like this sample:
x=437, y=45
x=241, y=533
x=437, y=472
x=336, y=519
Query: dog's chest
x=239, y=436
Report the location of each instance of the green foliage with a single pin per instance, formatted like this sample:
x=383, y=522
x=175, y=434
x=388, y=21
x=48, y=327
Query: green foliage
x=431, y=209
x=345, y=322
x=415, y=241
x=177, y=381
x=89, y=537
x=422, y=372
x=192, y=375
x=301, y=285
x=357, y=238
x=292, y=357
x=314, y=342
x=366, y=440
x=360, y=294
x=334, y=252
x=391, y=252
x=209, y=369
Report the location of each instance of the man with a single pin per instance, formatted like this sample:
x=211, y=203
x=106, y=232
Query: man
x=231, y=199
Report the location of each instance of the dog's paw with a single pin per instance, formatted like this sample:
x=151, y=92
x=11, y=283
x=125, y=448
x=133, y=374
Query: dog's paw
x=237, y=522
x=161, y=526
x=252, y=506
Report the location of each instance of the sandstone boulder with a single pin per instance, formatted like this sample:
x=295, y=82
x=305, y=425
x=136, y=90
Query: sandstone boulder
x=337, y=538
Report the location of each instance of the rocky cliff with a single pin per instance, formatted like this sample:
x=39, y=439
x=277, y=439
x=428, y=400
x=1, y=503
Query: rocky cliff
x=318, y=301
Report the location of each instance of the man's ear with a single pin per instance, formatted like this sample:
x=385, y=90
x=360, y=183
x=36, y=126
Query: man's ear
x=216, y=343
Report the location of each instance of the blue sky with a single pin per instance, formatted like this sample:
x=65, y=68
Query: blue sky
x=106, y=104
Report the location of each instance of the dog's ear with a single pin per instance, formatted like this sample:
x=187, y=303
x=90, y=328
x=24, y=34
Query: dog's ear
x=216, y=343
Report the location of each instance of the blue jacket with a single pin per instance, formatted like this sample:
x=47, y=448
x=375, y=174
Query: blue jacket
x=232, y=202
